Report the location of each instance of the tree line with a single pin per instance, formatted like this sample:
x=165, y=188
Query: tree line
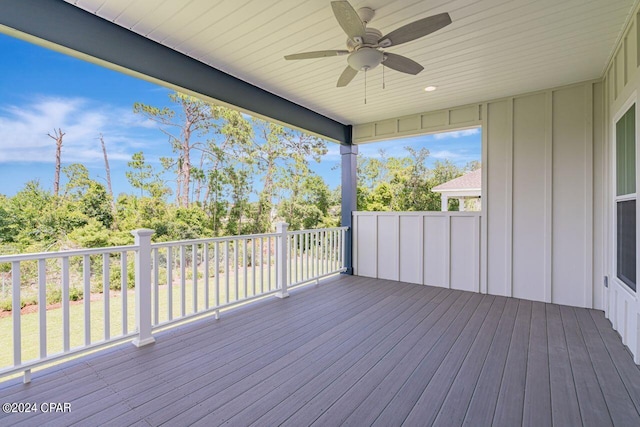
x=228, y=174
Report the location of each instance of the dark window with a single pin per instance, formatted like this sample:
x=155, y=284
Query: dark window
x=627, y=242
x=626, y=153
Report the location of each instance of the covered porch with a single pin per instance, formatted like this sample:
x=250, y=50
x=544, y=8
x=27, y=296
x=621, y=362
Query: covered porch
x=356, y=351
x=539, y=331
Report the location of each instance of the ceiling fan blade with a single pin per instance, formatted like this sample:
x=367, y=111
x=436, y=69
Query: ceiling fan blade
x=415, y=30
x=348, y=19
x=401, y=63
x=347, y=75
x=317, y=54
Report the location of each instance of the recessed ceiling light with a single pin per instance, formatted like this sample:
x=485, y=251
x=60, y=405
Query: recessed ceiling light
x=430, y=88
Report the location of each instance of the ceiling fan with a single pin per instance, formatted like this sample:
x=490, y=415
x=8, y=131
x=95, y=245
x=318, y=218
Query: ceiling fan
x=364, y=45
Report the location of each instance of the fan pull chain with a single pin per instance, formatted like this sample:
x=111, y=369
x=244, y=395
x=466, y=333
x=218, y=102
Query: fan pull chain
x=383, y=77
x=365, y=86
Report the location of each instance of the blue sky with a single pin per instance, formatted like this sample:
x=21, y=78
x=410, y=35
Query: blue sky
x=41, y=90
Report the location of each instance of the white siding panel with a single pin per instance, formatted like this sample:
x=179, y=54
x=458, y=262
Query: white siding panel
x=388, y=247
x=367, y=245
x=498, y=139
x=529, y=197
x=464, y=253
x=599, y=204
x=569, y=218
x=411, y=249
x=436, y=251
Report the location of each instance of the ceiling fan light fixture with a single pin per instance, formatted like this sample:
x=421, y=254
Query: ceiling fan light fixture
x=365, y=58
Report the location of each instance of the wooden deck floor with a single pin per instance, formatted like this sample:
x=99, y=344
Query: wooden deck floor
x=356, y=351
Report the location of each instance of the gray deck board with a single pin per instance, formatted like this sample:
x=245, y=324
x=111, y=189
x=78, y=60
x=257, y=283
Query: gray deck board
x=454, y=407
x=537, y=392
x=620, y=356
x=593, y=408
x=620, y=405
x=510, y=403
x=565, y=409
x=355, y=351
x=405, y=398
x=388, y=382
x=485, y=395
x=433, y=394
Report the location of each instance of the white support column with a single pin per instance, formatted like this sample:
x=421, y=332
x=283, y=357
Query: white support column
x=281, y=260
x=444, y=200
x=461, y=204
x=143, y=286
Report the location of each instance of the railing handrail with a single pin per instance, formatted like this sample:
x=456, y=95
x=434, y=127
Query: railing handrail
x=317, y=230
x=211, y=240
x=67, y=253
x=126, y=248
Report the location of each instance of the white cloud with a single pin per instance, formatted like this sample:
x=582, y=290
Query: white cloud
x=24, y=129
x=457, y=133
x=444, y=154
x=333, y=152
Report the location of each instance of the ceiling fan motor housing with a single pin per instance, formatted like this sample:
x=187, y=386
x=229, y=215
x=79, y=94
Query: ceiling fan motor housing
x=371, y=37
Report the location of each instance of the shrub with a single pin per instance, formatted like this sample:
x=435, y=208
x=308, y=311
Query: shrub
x=75, y=294
x=54, y=295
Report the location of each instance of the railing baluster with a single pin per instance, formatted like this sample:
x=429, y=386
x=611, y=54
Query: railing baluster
x=15, y=313
x=261, y=265
x=226, y=269
x=217, y=273
x=86, y=279
x=295, y=256
x=42, y=306
x=253, y=265
x=205, y=256
x=236, y=269
x=342, y=247
x=316, y=260
x=169, y=283
x=66, y=339
x=289, y=242
x=324, y=252
x=124, y=289
x=330, y=252
x=194, y=273
x=301, y=242
x=270, y=242
x=183, y=282
x=106, y=296
x=244, y=266
x=309, y=256
x=156, y=287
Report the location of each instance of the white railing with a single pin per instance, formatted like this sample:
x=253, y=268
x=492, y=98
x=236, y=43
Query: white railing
x=170, y=281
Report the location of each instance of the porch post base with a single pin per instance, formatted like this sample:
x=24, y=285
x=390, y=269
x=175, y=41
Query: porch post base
x=282, y=294
x=140, y=343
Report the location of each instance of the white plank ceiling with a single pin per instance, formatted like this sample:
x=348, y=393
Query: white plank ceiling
x=493, y=48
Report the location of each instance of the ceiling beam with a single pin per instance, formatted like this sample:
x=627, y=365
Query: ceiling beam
x=72, y=28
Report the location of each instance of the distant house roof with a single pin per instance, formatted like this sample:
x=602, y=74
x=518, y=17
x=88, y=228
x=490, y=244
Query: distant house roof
x=468, y=181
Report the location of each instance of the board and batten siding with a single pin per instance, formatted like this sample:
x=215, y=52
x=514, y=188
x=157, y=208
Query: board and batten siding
x=537, y=226
x=429, y=248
